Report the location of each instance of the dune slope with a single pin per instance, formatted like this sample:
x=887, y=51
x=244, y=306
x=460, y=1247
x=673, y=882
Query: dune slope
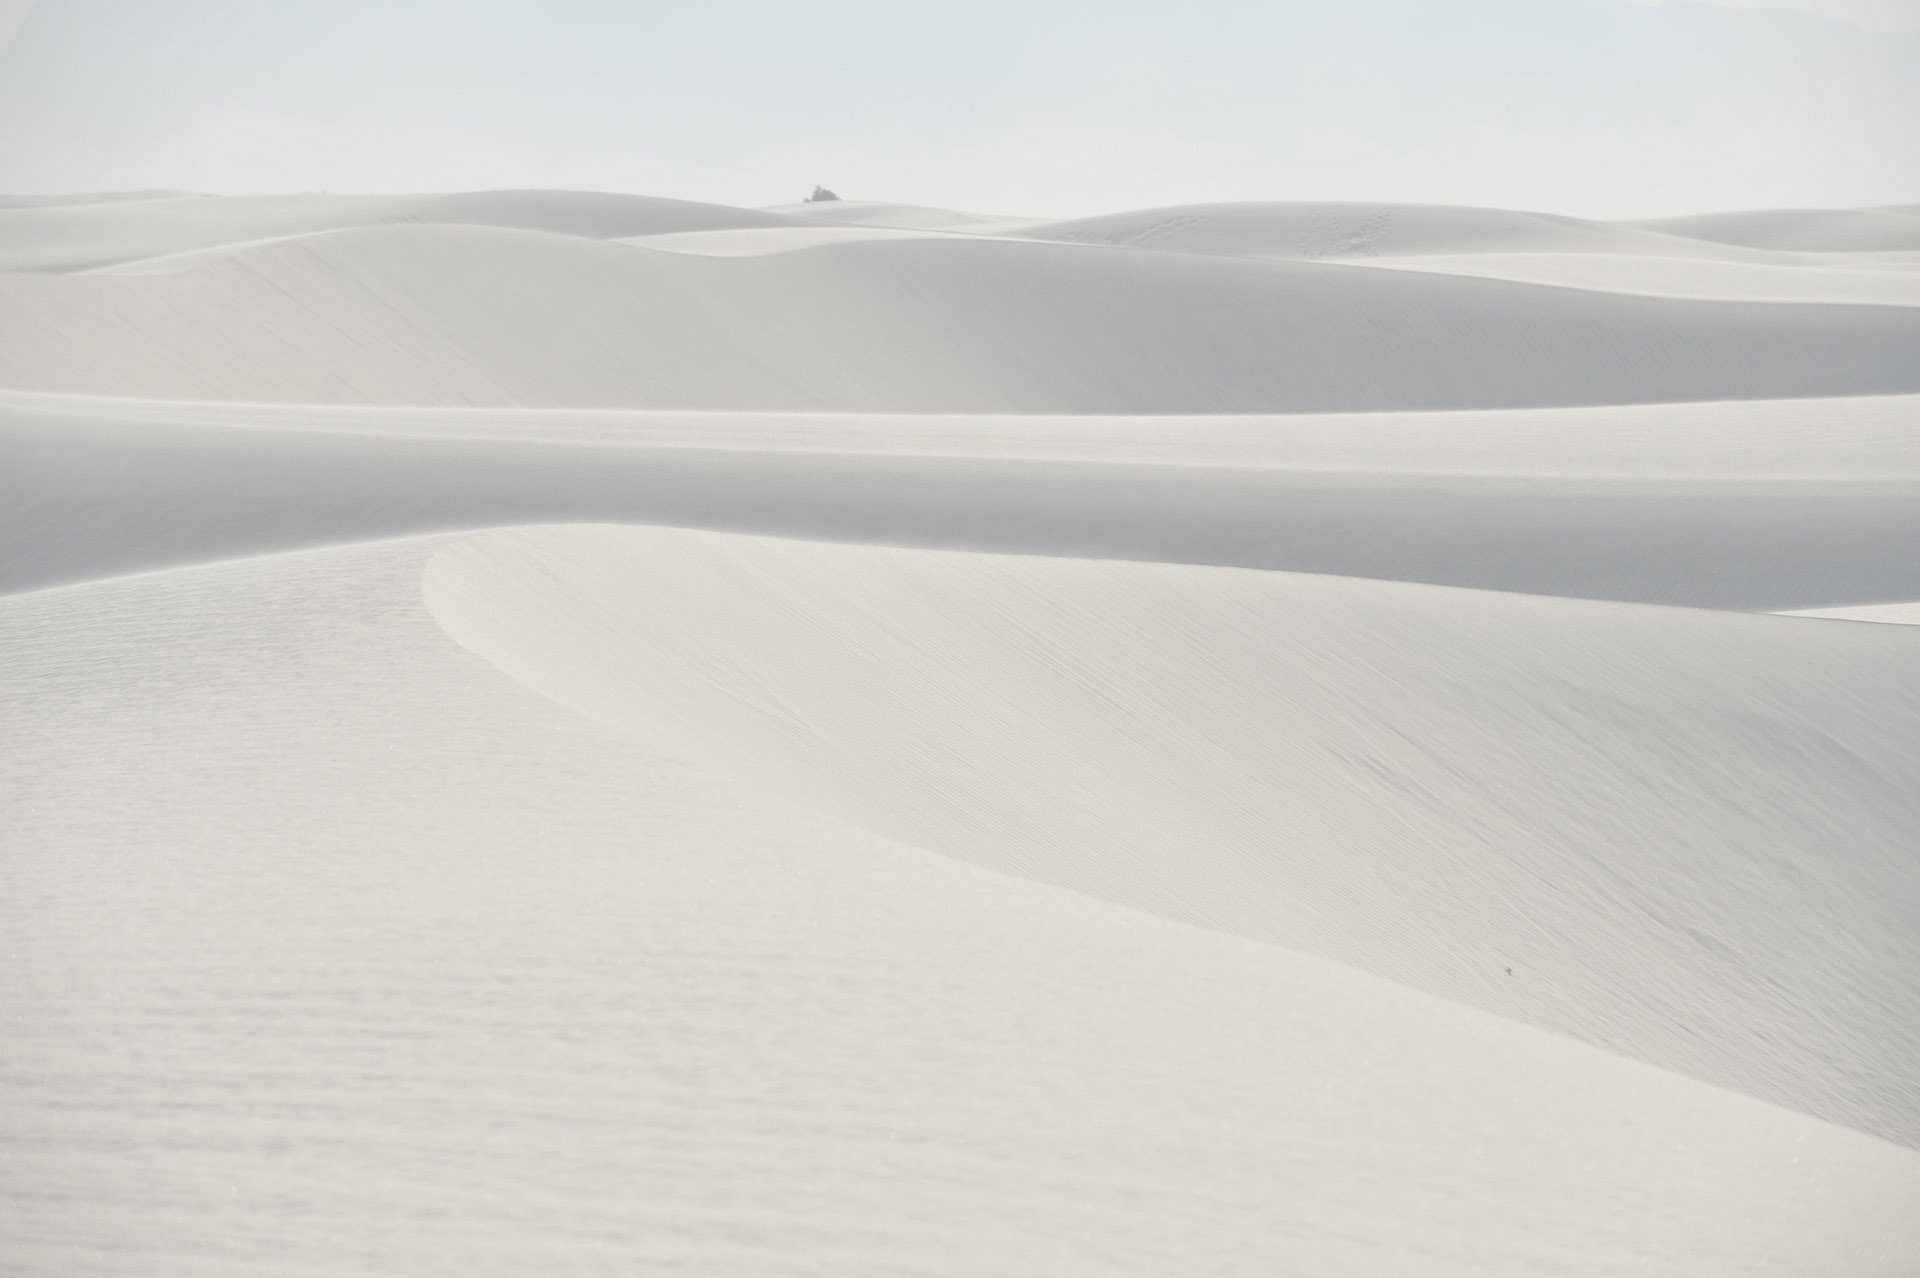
x=466, y=314
x=1792, y=504
x=1687, y=834
x=1315, y=230
x=1810, y=230
x=116, y=233
x=1877, y=280
x=334, y=950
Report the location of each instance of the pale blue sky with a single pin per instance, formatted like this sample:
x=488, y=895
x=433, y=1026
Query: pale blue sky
x=1595, y=107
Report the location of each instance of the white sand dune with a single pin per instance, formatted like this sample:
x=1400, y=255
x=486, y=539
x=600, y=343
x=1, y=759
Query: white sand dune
x=1341, y=230
x=480, y=314
x=74, y=201
x=117, y=231
x=1362, y=232
x=1906, y=613
x=1849, y=437
x=1875, y=279
x=1806, y=230
x=336, y=950
x=1880, y=280
x=915, y=217
x=1142, y=744
x=1434, y=786
x=757, y=240
x=1783, y=505
x=1782, y=258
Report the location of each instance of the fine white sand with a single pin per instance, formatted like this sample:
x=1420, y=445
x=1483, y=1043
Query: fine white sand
x=122, y=231
x=1899, y=614
x=473, y=314
x=1762, y=505
x=337, y=950
x=1818, y=230
x=1879, y=279
x=1192, y=742
x=576, y=733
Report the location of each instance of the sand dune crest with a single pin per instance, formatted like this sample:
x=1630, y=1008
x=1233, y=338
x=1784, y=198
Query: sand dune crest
x=1687, y=833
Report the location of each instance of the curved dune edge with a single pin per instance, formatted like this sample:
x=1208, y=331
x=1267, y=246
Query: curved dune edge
x=112, y=233
x=1887, y=614
x=1840, y=437
x=1799, y=230
x=334, y=880
x=1759, y=506
x=1649, y=276
x=484, y=315
x=1686, y=833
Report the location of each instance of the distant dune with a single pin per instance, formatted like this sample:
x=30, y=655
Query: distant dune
x=472, y=314
x=1762, y=504
x=1805, y=230
x=1312, y=231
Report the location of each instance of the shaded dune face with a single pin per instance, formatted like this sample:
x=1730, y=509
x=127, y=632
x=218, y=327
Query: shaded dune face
x=128, y=233
x=480, y=315
x=1339, y=230
x=1687, y=834
x=1803, y=230
x=1778, y=505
